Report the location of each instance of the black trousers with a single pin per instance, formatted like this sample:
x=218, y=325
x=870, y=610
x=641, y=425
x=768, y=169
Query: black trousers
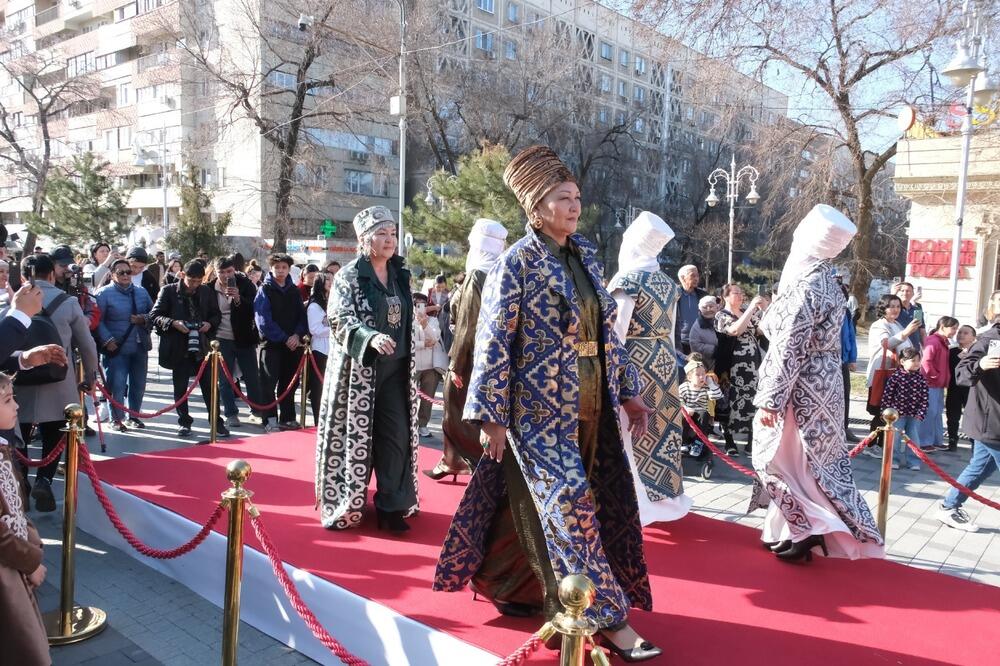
x=315, y=386
x=394, y=489
x=278, y=365
x=954, y=404
x=704, y=421
x=182, y=373
x=51, y=434
x=846, y=372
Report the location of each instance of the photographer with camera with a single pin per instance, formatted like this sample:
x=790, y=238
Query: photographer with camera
x=187, y=316
x=237, y=335
x=123, y=336
x=44, y=392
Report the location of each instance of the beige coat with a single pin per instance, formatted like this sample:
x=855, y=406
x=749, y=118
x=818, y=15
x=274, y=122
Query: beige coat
x=22, y=634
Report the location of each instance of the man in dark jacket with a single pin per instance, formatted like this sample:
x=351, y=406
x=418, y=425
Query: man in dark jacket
x=687, y=307
x=180, y=306
x=281, y=320
x=138, y=259
x=236, y=334
x=980, y=370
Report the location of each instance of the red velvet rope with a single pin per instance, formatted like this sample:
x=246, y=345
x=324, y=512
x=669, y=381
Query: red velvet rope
x=87, y=465
x=271, y=405
x=321, y=634
x=944, y=475
x=433, y=401
x=714, y=449
x=523, y=653
x=52, y=457
x=863, y=444
x=161, y=412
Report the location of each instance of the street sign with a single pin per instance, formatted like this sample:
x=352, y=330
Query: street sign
x=328, y=228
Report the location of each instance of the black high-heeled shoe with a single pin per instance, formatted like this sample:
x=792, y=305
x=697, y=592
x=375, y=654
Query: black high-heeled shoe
x=392, y=521
x=803, y=549
x=644, y=652
x=781, y=546
x=442, y=470
x=769, y=545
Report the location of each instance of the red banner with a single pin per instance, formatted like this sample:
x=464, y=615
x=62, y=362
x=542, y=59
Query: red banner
x=932, y=258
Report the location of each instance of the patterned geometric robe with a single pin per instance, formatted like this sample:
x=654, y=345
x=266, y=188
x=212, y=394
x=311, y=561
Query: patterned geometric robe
x=344, y=432
x=650, y=348
x=525, y=378
x=802, y=370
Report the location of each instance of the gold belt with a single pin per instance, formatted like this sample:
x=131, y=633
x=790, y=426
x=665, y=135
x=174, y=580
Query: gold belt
x=585, y=348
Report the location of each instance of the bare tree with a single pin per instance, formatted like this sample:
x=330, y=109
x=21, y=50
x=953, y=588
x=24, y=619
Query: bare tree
x=50, y=93
x=294, y=72
x=859, y=60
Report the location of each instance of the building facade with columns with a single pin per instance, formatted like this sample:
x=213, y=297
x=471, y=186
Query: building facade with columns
x=927, y=173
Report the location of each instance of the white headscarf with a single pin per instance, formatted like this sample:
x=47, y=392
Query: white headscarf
x=641, y=244
x=486, y=244
x=822, y=234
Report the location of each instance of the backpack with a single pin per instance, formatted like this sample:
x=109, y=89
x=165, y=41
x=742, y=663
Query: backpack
x=43, y=331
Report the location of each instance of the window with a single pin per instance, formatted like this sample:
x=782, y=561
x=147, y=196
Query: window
x=510, y=50
x=364, y=182
x=605, y=83
x=282, y=80
x=640, y=66
x=222, y=176
x=485, y=5
x=602, y=115
x=80, y=64
x=512, y=12
x=124, y=94
x=640, y=125
x=126, y=11
x=110, y=142
x=124, y=137
x=639, y=94
x=623, y=58
x=623, y=89
x=620, y=118
x=607, y=51
x=484, y=40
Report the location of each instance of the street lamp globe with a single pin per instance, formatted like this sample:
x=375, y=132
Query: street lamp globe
x=429, y=199
x=712, y=199
x=962, y=67
x=753, y=197
x=986, y=89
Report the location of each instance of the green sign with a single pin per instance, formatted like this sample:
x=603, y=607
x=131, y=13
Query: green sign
x=328, y=228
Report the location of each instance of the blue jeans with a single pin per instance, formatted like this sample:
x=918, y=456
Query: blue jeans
x=932, y=429
x=246, y=357
x=901, y=452
x=126, y=371
x=984, y=461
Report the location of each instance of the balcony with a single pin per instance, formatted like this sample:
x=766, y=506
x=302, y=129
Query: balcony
x=47, y=15
x=153, y=60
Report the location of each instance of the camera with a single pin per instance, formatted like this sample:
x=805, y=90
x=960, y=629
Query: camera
x=74, y=280
x=305, y=22
x=194, y=338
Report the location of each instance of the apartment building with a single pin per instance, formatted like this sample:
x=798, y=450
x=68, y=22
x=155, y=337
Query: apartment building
x=141, y=105
x=678, y=116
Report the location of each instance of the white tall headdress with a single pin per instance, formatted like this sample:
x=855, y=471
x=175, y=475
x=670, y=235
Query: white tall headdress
x=642, y=243
x=486, y=243
x=822, y=234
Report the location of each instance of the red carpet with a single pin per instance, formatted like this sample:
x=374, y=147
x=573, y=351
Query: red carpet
x=719, y=597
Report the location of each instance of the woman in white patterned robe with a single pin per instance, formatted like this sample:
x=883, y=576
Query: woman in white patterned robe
x=800, y=455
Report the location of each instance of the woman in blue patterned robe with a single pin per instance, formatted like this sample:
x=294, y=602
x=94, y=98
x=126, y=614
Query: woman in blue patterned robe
x=805, y=478
x=548, y=379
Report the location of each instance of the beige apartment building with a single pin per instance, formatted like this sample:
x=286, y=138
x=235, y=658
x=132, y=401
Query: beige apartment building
x=150, y=112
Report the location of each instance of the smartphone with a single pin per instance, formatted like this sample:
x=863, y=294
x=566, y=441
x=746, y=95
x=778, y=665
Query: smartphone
x=918, y=315
x=231, y=282
x=994, y=349
x=29, y=274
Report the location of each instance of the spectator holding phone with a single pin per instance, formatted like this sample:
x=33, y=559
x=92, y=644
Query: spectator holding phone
x=910, y=311
x=979, y=370
x=236, y=334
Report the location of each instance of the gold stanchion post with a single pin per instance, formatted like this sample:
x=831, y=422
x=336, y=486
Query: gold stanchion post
x=577, y=593
x=303, y=402
x=236, y=499
x=71, y=623
x=213, y=416
x=79, y=379
x=890, y=416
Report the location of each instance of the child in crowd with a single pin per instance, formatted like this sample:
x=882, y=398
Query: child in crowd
x=906, y=392
x=698, y=396
x=22, y=633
